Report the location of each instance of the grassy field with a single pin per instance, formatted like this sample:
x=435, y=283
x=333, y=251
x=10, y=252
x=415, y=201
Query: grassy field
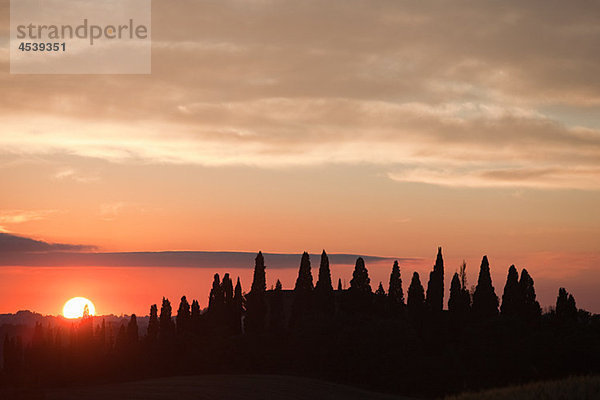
x=217, y=387
x=576, y=388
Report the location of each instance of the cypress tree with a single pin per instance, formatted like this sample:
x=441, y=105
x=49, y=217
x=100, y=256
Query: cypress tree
x=395, y=293
x=360, y=291
x=153, y=325
x=530, y=310
x=324, y=289
x=238, y=307
x=276, y=320
x=435, y=287
x=360, y=282
x=256, y=308
x=195, y=317
x=511, y=299
x=216, y=300
x=132, y=330
x=166, y=326
x=454, y=302
x=416, y=296
x=380, y=300
x=340, y=288
x=303, y=290
x=566, y=309
x=183, y=316
x=485, y=301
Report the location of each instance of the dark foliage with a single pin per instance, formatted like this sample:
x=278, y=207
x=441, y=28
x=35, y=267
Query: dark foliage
x=395, y=293
x=441, y=352
x=324, y=299
x=435, y=287
x=485, y=301
x=256, y=305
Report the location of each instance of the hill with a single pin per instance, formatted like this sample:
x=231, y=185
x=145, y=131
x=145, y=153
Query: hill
x=216, y=387
x=575, y=388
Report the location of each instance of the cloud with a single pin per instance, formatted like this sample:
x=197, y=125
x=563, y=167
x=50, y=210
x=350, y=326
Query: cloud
x=73, y=174
x=21, y=216
x=478, y=94
x=13, y=244
x=546, y=178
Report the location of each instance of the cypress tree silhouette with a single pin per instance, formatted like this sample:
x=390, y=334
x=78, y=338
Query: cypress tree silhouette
x=566, y=309
x=238, y=308
x=380, y=299
x=416, y=297
x=435, y=287
x=276, y=320
x=395, y=293
x=132, y=331
x=511, y=299
x=195, y=317
x=216, y=300
x=153, y=325
x=324, y=289
x=530, y=309
x=302, y=304
x=166, y=326
x=183, y=316
x=360, y=291
x=485, y=301
x=360, y=282
x=256, y=308
x=227, y=289
x=454, y=302
x=340, y=288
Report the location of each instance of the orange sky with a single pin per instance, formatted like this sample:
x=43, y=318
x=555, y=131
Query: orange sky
x=384, y=129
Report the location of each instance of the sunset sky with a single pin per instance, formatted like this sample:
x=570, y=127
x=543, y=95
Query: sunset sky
x=381, y=128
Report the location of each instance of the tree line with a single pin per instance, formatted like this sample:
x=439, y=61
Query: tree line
x=380, y=339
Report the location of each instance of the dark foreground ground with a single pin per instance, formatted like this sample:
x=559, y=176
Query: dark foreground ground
x=221, y=387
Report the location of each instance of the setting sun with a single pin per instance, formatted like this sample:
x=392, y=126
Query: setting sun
x=75, y=307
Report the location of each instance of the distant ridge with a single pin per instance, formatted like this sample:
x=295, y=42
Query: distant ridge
x=187, y=259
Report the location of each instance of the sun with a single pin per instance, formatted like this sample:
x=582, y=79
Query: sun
x=75, y=307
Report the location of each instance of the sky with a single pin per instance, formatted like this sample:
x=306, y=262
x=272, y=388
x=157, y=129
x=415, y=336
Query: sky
x=381, y=128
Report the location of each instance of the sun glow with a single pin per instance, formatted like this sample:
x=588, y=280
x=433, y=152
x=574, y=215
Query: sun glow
x=76, y=307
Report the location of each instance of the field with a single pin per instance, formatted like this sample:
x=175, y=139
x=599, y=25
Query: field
x=217, y=387
x=575, y=388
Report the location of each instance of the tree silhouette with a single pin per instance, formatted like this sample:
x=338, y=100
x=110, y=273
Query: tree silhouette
x=276, y=320
x=132, y=331
x=360, y=291
x=395, y=293
x=195, y=317
x=340, y=288
x=530, y=309
x=435, y=287
x=324, y=300
x=511, y=299
x=216, y=300
x=166, y=326
x=238, y=308
x=302, y=305
x=485, y=301
x=360, y=282
x=153, y=325
x=256, y=308
x=183, y=316
x=416, y=296
x=566, y=309
x=380, y=299
x=459, y=302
